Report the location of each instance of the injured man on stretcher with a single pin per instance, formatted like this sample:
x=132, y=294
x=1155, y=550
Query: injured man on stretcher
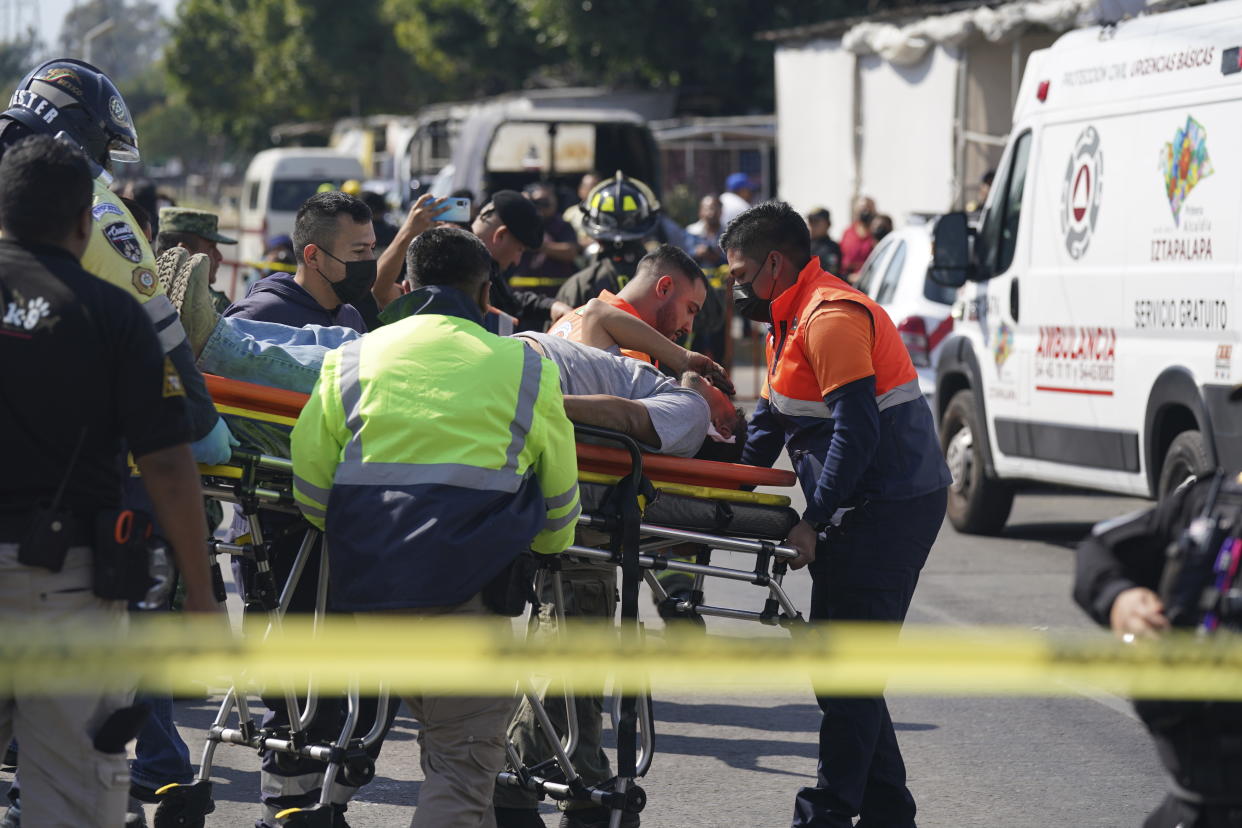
x=600, y=388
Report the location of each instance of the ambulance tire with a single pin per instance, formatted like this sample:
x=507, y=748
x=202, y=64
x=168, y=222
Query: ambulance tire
x=978, y=504
x=1187, y=457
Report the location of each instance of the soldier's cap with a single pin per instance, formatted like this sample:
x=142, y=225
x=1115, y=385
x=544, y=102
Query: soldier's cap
x=199, y=222
x=518, y=214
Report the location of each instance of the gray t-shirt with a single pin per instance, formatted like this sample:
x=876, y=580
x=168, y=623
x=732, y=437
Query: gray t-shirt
x=680, y=416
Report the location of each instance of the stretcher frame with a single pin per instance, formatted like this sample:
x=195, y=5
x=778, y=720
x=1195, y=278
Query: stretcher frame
x=634, y=548
x=186, y=805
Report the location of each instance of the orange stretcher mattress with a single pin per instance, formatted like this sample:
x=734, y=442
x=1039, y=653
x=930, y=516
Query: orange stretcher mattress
x=236, y=397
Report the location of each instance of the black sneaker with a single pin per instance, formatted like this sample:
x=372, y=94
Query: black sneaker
x=518, y=818
x=596, y=817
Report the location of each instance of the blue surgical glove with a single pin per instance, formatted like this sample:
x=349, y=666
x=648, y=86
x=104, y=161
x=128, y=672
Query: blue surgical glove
x=217, y=447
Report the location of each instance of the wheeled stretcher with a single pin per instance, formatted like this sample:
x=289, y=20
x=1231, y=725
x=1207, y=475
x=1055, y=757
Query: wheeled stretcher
x=642, y=504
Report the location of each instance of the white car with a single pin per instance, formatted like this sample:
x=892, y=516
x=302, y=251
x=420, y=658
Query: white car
x=895, y=276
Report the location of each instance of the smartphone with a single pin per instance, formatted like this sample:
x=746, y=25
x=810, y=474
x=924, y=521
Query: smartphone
x=458, y=211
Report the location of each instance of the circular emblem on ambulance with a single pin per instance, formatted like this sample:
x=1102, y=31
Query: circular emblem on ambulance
x=144, y=281
x=1080, y=193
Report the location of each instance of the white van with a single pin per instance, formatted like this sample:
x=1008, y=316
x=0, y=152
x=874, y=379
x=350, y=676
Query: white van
x=277, y=182
x=1099, y=312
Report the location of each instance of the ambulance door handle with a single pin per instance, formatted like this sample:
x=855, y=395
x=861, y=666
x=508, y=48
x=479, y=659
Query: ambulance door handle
x=1013, y=299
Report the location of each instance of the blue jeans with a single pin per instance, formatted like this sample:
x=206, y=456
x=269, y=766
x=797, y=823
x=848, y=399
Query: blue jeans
x=266, y=353
x=866, y=570
x=160, y=755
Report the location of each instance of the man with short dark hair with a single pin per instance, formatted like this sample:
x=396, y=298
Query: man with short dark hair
x=427, y=529
x=113, y=385
x=705, y=231
x=329, y=227
x=550, y=262
x=819, y=220
x=198, y=231
x=842, y=395
x=334, y=245
x=667, y=291
x=508, y=225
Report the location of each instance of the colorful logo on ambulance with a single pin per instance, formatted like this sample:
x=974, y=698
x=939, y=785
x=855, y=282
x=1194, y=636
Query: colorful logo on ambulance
x=1185, y=162
x=1080, y=192
x=1003, y=347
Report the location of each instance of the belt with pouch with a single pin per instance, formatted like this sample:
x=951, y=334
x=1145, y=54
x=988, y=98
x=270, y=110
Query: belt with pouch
x=14, y=526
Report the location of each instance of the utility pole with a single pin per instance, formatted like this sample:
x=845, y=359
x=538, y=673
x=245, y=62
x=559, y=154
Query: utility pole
x=97, y=31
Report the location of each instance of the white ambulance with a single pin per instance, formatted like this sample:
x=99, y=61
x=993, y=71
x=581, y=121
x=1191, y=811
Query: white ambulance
x=1098, y=321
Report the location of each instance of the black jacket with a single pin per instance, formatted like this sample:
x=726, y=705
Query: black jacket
x=1200, y=743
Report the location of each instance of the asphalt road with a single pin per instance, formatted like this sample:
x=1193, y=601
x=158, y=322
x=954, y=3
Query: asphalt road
x=737, y=760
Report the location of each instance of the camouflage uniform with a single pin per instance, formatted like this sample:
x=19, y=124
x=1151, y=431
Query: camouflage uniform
x=199, y=223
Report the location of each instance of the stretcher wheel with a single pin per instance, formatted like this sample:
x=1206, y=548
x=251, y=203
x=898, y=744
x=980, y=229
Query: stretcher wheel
x=316, y=816
x=358, y=771
x=184, y=806
x=174, y=814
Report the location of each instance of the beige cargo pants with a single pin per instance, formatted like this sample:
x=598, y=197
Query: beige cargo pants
x=461, y=747
x=65, y=782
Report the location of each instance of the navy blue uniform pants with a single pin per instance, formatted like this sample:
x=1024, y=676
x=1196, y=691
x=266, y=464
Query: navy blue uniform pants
x=866, y=570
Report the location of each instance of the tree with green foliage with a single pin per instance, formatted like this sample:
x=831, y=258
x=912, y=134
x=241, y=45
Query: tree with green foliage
x=470, y=48
x=244, y=65
x=128, y=48
x=17, y=57
x=704, y=49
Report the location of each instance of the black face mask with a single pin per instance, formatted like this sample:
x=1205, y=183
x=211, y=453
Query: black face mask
x=748, y=305
x=865, y=217
x=359, y=277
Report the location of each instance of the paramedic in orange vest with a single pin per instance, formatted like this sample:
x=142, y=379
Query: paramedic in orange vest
x=843, y=397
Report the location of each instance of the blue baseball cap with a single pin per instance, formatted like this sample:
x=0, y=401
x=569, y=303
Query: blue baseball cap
x=740, y=180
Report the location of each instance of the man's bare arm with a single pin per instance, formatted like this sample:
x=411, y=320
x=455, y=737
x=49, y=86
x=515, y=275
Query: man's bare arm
x=614, y=413
x=605, y=325
x=421, y=215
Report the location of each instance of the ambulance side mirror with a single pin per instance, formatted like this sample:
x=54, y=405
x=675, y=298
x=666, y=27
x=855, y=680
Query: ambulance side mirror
x=951, y=265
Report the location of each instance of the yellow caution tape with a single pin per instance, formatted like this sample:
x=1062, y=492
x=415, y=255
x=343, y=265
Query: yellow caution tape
x=483, y=656
x=704, y=492
x=535, y=281
x=281, y=266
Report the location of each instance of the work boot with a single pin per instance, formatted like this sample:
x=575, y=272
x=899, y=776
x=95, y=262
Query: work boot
x=596, y=817
x=519, y=818
x=186, y=281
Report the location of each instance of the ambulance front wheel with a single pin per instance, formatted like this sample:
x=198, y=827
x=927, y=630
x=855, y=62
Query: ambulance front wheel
x=978, y=504
x=1185, y=458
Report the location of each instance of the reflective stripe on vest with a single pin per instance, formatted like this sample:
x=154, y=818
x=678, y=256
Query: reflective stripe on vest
x=792, y=386
x=354, y=470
